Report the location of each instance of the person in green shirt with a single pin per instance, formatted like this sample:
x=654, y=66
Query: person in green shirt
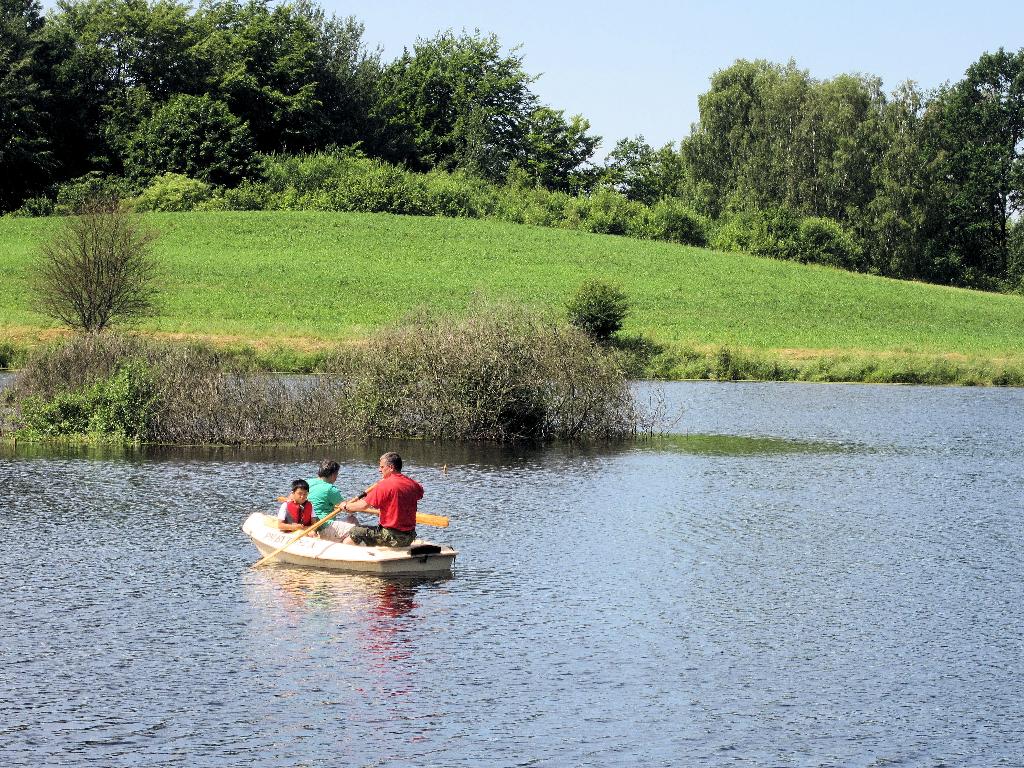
x=324, y=497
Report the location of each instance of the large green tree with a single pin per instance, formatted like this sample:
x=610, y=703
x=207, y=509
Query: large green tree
x=460, y=102
x=744, y=147
x=456, y=101
x=347, y=82
x=106, y=61
x=895, y=216
x=974, y=139
x=300, y=79
x=771, y=135
x=262, y=60
x=25, y=147
x=556, y=152
x=95, y=84
x=835, y=144
x=645, y=174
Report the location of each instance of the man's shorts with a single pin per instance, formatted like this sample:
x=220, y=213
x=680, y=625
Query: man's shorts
x=334, y=530
x=379, y=536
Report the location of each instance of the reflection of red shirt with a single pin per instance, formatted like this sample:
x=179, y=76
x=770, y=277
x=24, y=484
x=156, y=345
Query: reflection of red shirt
x=396, y=496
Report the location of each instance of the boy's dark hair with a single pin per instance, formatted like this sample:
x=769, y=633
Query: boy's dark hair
x=300, y=484
x=327, y=468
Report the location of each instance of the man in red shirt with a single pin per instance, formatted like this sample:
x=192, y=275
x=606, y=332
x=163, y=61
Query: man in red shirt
x=395, y=495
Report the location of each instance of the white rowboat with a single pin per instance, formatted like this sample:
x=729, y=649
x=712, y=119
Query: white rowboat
x=419, y=558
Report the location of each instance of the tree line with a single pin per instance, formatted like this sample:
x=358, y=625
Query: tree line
x=908, y=184
x=136, y=88
x=930, y=185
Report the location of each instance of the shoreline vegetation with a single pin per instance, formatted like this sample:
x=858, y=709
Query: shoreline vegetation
x=289, y=291
x=502, y=375
x=681, y=363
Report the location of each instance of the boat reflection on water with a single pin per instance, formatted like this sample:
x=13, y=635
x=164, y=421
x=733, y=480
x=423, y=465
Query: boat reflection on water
x=298, y=588
x=374, y=619
x=387, y=636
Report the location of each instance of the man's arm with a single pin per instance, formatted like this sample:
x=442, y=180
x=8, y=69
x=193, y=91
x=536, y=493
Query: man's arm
x=358, y=505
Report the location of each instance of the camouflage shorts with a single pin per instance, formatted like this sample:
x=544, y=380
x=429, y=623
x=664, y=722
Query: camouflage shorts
x=379, y=536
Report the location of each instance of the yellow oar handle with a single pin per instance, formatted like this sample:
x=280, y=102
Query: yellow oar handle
x=438, y=521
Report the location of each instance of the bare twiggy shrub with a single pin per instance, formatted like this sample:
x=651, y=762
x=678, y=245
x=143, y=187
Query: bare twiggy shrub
x=76, y=363
x=501, y=374
x=98, y=269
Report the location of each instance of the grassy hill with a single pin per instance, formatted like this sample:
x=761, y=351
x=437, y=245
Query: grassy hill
x=305, y=280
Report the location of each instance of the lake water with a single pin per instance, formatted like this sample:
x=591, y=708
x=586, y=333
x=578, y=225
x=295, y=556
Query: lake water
x=804, y=575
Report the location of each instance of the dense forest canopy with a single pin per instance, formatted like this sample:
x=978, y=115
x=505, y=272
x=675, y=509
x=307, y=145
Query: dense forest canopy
x=911, y=184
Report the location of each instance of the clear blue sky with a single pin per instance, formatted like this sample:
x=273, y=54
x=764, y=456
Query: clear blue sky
x=638, y=67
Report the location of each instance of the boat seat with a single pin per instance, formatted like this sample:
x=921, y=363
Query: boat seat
x=425, y=549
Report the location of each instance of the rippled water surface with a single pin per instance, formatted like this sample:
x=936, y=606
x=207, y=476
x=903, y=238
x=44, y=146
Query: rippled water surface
x=803, y=575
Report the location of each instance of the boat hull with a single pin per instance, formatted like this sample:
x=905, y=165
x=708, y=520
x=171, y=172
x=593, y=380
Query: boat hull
x=320, y=553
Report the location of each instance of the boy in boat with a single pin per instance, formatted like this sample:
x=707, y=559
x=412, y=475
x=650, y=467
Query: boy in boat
x=324, y=497
x=296, y=513
x=395, y=495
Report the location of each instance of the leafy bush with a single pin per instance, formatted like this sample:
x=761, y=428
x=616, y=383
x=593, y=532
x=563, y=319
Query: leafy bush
x=311, y=172
x=547, y=209
x=826, y=241
x=10, y=355
x=348, y=181
x=193, y=135
x=120, y=407
x=248, y=196
x=732, y=232
x=35, y=206
x=65, y=415
x=779, y=233
x=458, y=195
x=378, y=187
x=172, y=192
x=773, y=233
x=598, y=309
x=676, y=222
x=533, y=205
x=610, y=213
x=74, y=195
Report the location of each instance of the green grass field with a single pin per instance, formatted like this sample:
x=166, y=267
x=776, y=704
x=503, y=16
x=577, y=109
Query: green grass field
x=308, y=279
